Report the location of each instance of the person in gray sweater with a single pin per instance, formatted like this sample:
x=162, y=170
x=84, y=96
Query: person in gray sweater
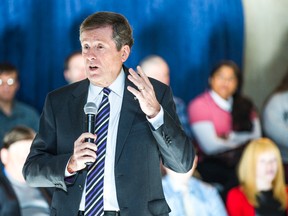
x=275, y=119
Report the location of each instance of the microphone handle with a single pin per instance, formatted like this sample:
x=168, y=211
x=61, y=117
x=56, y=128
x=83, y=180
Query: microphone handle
x=90, y=123
x=90, y=140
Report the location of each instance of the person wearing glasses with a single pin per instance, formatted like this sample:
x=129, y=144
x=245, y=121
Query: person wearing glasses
x=12, y=111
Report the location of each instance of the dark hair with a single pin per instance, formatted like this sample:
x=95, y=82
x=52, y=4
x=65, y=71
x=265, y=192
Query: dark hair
x=122, y=31
x=242, y=107
x=241, y=113
x=8, y=68
x=69, y=57
x=16, y=134
x=232, y=65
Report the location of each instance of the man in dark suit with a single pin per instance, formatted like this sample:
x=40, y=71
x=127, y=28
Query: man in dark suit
x=143, y=129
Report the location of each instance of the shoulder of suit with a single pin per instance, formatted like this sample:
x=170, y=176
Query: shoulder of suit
x=81, y=85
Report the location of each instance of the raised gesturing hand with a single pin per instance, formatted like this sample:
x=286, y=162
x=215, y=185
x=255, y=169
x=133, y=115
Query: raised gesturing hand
x=145, y=92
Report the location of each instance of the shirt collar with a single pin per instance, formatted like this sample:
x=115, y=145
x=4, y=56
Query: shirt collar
x=117, y=86
x=222, y=103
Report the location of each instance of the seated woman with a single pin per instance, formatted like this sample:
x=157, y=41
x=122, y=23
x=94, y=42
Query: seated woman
x=275, y=119
x=222, y=122
x=262, y=189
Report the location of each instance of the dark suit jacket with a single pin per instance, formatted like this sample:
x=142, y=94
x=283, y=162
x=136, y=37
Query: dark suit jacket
x=9, y=204
x=138, y=151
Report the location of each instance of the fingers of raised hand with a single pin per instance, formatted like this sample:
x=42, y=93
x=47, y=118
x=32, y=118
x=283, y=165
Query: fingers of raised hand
x=139, y=79
x=144, y=77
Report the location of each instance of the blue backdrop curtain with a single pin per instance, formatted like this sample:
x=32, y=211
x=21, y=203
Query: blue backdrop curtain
x=192, y=35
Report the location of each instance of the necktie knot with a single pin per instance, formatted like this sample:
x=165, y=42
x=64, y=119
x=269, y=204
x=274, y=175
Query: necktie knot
x=106, y=91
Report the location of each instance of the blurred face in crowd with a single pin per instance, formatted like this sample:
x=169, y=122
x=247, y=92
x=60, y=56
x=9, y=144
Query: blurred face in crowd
x=8, y=87
x=76, y=69
x=14, y=158
x=103, y=62
x=158, y=69
x=266, y=168
x=224, y=82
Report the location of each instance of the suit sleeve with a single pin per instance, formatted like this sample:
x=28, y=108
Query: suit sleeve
x=43, y=166
x=175, y=146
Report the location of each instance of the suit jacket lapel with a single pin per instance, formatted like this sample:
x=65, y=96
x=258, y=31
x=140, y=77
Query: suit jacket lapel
x=76, y=105
x=77, y=115
x=128, y=110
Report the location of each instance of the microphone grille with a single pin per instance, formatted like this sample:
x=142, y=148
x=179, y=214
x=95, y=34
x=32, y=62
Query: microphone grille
x=90, y=108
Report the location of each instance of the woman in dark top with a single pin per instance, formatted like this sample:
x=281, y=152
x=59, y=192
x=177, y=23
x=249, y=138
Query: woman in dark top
x=262, y=190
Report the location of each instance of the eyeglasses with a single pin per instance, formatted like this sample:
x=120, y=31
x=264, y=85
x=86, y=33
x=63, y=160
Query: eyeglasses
x=9, y=82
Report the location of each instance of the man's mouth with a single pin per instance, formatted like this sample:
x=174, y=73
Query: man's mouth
x=93, y=68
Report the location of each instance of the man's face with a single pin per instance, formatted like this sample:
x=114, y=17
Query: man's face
x=103, y=62
x=158, y=70
x=8, y=87
x=76, y=69
x=14, y=158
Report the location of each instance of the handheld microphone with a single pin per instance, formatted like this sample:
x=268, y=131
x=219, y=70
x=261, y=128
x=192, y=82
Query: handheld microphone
x=90, y=110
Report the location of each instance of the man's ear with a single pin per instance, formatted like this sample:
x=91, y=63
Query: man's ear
x=4, y=155
x=125, y=52
x=17, y=85
x=66, y=75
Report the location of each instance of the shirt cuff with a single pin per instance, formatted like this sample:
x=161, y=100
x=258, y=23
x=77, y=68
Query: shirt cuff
x=67, y=173
x=158, y=120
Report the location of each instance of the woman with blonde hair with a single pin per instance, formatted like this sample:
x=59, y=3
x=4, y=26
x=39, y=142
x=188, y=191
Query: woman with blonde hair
x=262, y=189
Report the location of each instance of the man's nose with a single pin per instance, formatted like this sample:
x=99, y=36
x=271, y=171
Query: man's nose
x=91, y=54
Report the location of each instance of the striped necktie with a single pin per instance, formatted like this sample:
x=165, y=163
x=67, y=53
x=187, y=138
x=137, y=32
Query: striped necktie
x=94, y=204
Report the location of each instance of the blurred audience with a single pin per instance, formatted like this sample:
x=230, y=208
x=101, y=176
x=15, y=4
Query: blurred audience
x=74, y=68
x=275, y=119
x=156, y=67
x=262, y=190
x=222, y=122
x=187, y=195
x=16, y=197
x=12, y=111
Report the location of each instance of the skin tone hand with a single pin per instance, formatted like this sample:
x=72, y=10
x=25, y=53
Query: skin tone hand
x=195, y=162
x=145, y=92
x=83, y=152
